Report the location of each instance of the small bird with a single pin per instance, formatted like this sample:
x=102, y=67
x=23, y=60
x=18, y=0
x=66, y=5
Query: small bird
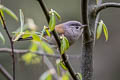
x=72, y=30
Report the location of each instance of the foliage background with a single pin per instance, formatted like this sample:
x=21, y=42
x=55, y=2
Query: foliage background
x=106, y=55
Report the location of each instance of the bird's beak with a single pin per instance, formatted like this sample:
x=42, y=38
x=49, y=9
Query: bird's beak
x=83, y=26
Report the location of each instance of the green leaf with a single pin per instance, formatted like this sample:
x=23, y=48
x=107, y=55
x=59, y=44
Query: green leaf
x=2, y=16
x=49, y=77
x=26, y=35
x=9, y=12
x=105, y=31
x=64, y=44
x=31, y=58
x=2, y=13
x=79, y=76
x=46, y=47
x=99, y=29
x=58, y=16
x=65, y=76
x=52, y=22
x=27, y=58
x=63, y=65
x=47, y=31
x=2, y=38
x=21, y=20
x=46, y=76
x=34, y=47
x=36, y=37
x=36, y=59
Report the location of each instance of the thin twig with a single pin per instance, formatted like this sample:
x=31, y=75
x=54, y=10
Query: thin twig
x=51, y=67
x=64, y=57
x=5, y=73
x=106, y=5
x=16, y=51
x=11, y=43
x=20, y=51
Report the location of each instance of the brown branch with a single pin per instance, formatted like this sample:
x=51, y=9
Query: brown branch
x=5, y=73
x=11, y=43
x=20, y=51
x=64, y=57
x=105, y=6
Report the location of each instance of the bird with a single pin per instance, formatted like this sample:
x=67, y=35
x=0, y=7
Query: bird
x=72, y=30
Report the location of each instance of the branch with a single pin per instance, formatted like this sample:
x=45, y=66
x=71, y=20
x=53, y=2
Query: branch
x=46, y=12
x=105, y=6
x=11, y=43
x=5, y=73
x=64, y=57
x=88, y=40
x=18, y=51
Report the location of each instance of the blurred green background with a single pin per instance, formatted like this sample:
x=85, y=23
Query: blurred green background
x=106, y=54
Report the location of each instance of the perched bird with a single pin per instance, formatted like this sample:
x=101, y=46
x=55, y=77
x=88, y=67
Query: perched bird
x=72, y=30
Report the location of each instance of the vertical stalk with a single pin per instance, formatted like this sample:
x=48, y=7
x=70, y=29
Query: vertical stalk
x=88, y=40
x=11, y=43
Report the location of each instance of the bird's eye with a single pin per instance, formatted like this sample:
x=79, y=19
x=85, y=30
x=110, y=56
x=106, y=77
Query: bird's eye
x=77, y=27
